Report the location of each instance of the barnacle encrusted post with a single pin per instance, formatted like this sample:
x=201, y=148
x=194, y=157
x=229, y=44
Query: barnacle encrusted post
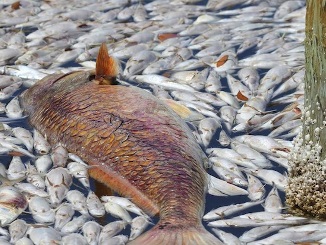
x=306, y=192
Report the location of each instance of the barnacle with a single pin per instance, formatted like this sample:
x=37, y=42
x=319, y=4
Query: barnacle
x=305, y=194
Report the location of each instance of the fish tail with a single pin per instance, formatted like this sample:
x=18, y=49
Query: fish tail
x=163, y=234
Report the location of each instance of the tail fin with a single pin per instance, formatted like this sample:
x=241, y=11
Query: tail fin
x=171, y=235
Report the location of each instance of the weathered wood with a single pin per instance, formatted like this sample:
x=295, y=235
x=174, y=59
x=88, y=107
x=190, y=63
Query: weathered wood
x=306, y=193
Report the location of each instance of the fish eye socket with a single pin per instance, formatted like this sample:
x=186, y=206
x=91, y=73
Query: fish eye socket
x=91, y=77
x=104, y=80
x=114, y=80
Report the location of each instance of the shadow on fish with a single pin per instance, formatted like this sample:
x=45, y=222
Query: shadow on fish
x=134, y=143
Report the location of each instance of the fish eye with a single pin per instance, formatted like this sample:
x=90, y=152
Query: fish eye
x=91, y=77
x=114, y=80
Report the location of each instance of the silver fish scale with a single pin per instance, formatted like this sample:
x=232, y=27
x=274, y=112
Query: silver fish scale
x=243, y=77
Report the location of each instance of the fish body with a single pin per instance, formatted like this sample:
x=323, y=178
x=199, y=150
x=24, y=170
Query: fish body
x=134, y=143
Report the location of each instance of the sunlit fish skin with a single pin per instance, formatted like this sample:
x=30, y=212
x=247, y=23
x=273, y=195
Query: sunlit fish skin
x=255, y=189
x=6, y=81
x=91, y=231
x=74, y=238
x=258, y=232
x=44, y=235
x=12, y=204
x=288, y=7
x=41, y=210
x=17, y=230
x=273, y=202
x=63, y=215
x=133, y=142
x=293, y=238
x=236, y=86
x=162, y=81
x=8, y=91
x=13, y=109
x=224, y=211
x=16, y=169
x=8, y=55
x=227, y=238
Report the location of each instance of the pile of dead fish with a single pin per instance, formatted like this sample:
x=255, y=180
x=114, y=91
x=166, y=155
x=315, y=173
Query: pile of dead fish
x=233, y=69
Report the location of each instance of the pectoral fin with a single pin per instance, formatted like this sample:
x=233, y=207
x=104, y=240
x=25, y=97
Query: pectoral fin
x=183, y=111
x=122, y=186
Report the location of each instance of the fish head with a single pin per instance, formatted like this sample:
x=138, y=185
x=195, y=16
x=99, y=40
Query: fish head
x=107, y=69
x=58, y=84
x=53, y=85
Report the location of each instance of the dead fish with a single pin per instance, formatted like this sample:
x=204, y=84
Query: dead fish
x=248, y=153
x=250, y=77
x=13, y=109
x=227, y=238
x=78, y=14
x=74, y=238
x=8, y=55
x=66, y=56
x=207, y=128
x=22, y=72
x=91, y=231
x=41, y=210
x=16, y=169
x=6, y=81
x=138, y=225
x=263, y=61
x=287, y=7
x=134, y=144
x=17, y=230
x=139, y=62
x=273, y=77
x=63, y=215
x=159, y=66
x=292, y=83
x=128, y=50
x=257, y=232
x=194, y=79
x=140, y=13
x=247, y=44
x=273, y=202
x=110, y=230
x=11, y=147
x=56, y=30
x=44, y=235
x=25, y=136
x=236, y=86
x=12, y=204
x=224, y=211
x=8, y=91
x=162, y=81
x=271, y=177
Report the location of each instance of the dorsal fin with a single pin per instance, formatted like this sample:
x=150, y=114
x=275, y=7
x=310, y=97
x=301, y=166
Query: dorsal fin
x=106, y=67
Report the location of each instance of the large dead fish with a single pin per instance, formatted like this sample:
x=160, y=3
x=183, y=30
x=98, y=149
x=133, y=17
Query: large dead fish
x=135, y=144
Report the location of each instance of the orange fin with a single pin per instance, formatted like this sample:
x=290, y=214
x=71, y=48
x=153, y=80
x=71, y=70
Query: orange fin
x=162, y=234
x=107, y=68
x=183, y=111
x=111, y=179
